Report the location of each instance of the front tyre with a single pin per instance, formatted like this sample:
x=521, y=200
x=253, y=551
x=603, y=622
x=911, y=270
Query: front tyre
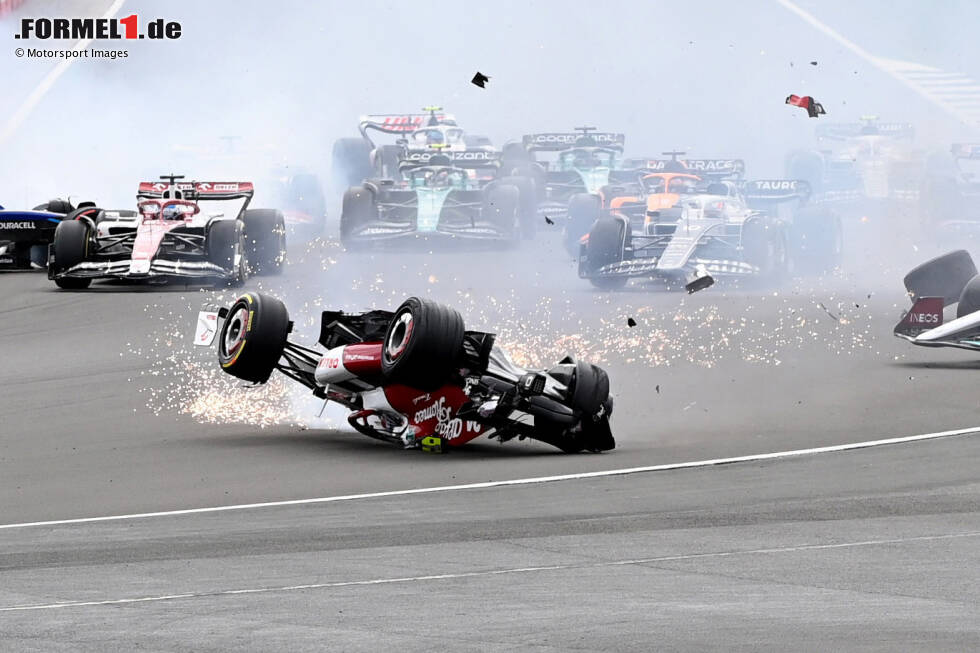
x=253, y=337
x=71, y=243
x=226, y=248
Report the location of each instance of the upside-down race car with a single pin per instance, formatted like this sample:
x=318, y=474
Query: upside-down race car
x=415, y=377
x=169, y=236
x=943, y=281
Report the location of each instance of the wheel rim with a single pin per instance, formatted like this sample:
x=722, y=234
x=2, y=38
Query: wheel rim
x=400, y=336
x=234, y=336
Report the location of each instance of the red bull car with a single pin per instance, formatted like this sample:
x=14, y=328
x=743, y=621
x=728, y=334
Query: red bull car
x=170, y=235
x=415, y=377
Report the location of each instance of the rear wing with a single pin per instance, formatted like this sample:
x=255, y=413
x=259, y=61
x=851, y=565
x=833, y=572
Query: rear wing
x=847, y=130
x=765, y=191
x=205, y=190
x=402, y=123
x=460, y=159
x=701, y=167
x=558, y=141
x=965, y=150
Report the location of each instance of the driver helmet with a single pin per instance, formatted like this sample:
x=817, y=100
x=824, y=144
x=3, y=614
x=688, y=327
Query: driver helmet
x=171, y=212
x=434, y=137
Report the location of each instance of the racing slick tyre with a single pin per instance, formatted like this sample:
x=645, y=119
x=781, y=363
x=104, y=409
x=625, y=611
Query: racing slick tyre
x=607, y=243
x=71, y=243
x=423, y=344
x=764, y=245
x=253, y=337
x=265, y=240
x=225, y=242
x=589, y=388
x=944, y=276
x=357, y=211
x=351, y=161
x=808, y=166
x=527, y=203
x=816, y=240
x=584, y=210
x=501, y=206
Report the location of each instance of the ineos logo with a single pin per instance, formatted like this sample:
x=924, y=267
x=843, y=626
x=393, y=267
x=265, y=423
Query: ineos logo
x=924, y=318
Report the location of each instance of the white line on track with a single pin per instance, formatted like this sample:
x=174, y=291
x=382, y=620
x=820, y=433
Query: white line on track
x=518, y=481
x=486, y=573
x=42, y=89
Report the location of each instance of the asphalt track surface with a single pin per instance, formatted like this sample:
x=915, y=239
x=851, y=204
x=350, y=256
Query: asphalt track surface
x=107, y=410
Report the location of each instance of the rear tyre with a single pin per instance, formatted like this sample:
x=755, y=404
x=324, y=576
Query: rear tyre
x=71, y=243
x=527, y=203
x=265, y=240
x=584, y=210
x=501, y=206
x=945, y=276
x=817, y=240
x=423, y=344
x=253, y=337
x=589, y=389
x=351, y=161
x=358, y=210
x=606, y=245
x=808, y=166
x=764, y=246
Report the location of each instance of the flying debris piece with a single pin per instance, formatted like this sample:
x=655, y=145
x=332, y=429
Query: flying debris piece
x=700, y=281
x=813, y=63
x=813, y=108
x=479, y=79
x=658, y=388
x=630, y=322
x=549, y=220
x=827, y=311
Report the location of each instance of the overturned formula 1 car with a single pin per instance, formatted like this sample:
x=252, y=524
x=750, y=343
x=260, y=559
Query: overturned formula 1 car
x=943, y=281
x=415, y=377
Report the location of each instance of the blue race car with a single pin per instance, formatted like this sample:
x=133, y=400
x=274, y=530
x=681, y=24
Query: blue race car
x=25, y=235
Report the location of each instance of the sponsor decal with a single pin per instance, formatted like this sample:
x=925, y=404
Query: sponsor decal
x=17, y=224
x=447, y=426
x=359, y=357
x=924, y=318
x=775, y=185
x=329, y=362
x=222, y=187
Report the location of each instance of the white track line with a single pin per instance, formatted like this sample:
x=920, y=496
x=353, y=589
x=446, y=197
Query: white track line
x=916, y=77
x=478, y=574
x=42, y=89
x=517, y=481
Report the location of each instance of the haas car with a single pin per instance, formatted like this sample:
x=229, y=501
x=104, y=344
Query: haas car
x=359, y=158
x=568, y=179
x=416, y=377
x=443, y=194
x=686, y=231
x=169, y=235
x=935, y=285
